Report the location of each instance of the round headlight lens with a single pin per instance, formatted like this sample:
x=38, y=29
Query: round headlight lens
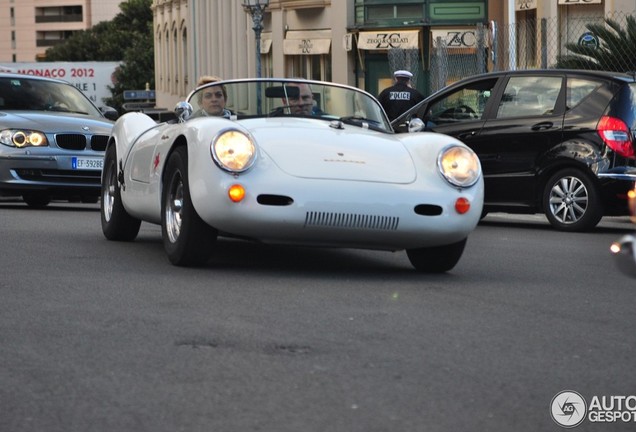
x=233, y=151
x=37, y=139
x=22, y=138
x=459, y=165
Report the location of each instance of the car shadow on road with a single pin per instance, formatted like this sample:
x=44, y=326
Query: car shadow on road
x=231, y=255
x=607, y=225
x=54, y=206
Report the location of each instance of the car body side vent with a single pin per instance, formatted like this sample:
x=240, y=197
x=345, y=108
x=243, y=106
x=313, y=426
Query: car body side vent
x=428, y=210
x=274, y=200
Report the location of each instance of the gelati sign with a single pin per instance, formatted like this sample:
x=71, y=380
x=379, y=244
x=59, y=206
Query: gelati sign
x=388, y=39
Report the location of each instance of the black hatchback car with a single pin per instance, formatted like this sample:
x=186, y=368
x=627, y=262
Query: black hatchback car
x=555, y=141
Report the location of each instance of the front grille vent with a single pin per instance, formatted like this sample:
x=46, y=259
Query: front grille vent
x=98, y=142
x=352, y=220
x=71, y=141
x=91, y=177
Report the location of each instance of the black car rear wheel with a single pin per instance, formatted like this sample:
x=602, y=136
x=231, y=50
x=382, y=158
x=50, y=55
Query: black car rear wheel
x=187, y=239
x=117, y=224
x=571, y=201
x=437, y=259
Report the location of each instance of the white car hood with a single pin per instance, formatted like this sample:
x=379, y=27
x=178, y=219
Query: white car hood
x=312, y=149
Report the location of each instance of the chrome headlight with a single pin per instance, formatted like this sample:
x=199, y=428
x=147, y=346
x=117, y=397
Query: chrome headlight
x=233, y=150
x=459, y=165
x=23, y=138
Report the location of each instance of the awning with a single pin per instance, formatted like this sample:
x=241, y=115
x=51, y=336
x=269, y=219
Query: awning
x=523, y=5
x=388, y=39
x=307, y=42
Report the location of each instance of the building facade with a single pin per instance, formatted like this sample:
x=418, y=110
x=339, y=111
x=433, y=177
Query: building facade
x=29, y=27
x=361, y=42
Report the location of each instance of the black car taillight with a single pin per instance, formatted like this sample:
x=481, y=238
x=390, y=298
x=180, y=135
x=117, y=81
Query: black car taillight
x=615, y=133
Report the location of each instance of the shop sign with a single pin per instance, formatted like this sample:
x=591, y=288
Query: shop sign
x=306, y=46
x=456, y=38
x=579, y=2
x=388, y=39
x=523, y=5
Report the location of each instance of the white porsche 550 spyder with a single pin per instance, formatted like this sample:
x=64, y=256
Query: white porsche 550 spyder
x=290, y=162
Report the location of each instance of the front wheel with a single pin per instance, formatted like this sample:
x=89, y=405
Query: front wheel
x=187, y=239
x=117, y=224
x=572, y=201
x=437, y=259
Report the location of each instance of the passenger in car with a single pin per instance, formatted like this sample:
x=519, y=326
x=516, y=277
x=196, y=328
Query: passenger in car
x=212, y=99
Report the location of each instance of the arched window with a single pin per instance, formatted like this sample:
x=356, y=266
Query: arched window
x=184, y=62
x=159, y=63
x=174, y=60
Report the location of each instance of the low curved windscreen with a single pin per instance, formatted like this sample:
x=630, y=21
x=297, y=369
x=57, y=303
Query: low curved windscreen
x=288, y=98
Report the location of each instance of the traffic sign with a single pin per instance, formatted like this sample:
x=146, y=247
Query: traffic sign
x=139, y=94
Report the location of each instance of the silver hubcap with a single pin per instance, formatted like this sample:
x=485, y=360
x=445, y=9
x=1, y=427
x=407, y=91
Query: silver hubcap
x=568, y=200
x=108, y=195
x=174, y=206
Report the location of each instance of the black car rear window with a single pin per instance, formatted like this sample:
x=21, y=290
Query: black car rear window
x=578, y=89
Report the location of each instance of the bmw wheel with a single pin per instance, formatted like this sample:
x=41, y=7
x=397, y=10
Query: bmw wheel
x=36, y=199
x=437, y=259
x=117, y=224
x=187, y=239
x=571, y=201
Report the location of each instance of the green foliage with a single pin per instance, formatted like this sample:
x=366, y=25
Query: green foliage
x=612, y=53
x=127, y=38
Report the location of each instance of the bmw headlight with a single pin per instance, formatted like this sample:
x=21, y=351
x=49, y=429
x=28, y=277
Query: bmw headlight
x=233, y=151
x=23, y=138
x=459, y=165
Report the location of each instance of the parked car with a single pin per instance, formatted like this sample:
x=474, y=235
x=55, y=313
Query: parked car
x=624, y=249
x=335, y=175
x=52, y=140
x=560, y=142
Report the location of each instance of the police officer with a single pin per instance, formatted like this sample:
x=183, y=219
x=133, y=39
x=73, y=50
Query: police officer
x=400, y=96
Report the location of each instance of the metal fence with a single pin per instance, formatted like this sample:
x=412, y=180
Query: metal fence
x=592, y=42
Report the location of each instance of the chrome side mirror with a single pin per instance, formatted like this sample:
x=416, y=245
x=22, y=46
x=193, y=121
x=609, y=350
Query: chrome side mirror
x=416, y=125
x=623, y=251
x=183, y=110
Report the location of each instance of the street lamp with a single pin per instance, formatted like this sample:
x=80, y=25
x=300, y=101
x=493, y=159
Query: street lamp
x=255, y=8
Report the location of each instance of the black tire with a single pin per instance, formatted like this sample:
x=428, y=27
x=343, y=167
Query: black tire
x=188, y=240
x=117, y=224
x=437, y=259
x=571, y=201
x=89, y=199
x=37, y=199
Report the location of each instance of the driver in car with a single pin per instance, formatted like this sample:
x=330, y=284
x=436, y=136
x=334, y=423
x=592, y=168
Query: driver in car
x=301, y=103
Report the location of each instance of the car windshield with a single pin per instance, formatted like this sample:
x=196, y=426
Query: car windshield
x=289, y=98
x=27, y=94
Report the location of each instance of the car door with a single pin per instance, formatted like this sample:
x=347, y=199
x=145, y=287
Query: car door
x=525, y=123
x=459, y=111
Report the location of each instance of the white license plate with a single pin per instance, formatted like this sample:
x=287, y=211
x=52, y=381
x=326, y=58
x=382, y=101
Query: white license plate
x=83, y=163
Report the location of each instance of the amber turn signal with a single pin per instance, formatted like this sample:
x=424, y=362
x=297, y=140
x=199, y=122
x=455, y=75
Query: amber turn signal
x=462, y=205
x=236, y=193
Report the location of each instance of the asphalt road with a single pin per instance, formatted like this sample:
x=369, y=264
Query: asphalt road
x=104, y=336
